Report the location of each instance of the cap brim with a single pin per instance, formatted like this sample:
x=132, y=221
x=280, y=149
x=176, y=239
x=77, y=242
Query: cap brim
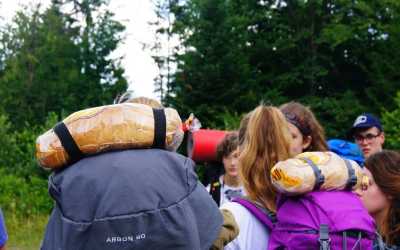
x=350, y=133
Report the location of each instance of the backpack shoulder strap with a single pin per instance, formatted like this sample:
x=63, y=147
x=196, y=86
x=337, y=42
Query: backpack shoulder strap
x=265, y=216
x=215, y=191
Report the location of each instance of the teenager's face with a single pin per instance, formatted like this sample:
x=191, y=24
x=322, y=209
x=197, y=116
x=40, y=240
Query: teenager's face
x=374, y=200
x=370, y=141
x=299, y=143
x=231, y=163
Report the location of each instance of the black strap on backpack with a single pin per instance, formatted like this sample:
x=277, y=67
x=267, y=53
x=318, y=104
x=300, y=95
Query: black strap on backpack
x=160, y=128
x=215, y=191
x=68, y=142
x=324, y=241
x=319, y=178
x=352, y=181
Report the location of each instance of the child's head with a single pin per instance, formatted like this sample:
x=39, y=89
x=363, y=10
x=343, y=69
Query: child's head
x=307, y=133
x=228, y=153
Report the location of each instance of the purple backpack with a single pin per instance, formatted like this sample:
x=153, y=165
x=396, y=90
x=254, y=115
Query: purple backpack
x=319, y=220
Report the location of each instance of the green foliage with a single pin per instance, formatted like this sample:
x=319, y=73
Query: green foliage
x=341, y=108
x=231, y=121
x=338, y=57
x=53, y=61
x=391, y=125
x=25, y=233
x=24, y=196
x=17, y=156
x=23, y=184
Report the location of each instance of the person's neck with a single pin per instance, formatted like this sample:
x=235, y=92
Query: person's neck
x=232, y=181
x=381, y=221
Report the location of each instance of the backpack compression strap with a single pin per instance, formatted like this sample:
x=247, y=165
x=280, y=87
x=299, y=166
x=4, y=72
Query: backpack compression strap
x=68, y=142
x=266, y=217
x=352, y=175
x=319, y=178
x=160, y=128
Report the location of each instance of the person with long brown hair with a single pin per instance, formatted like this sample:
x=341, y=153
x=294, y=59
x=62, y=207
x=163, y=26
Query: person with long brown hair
x=307, y=133
x=382, y=195
x=266, y=141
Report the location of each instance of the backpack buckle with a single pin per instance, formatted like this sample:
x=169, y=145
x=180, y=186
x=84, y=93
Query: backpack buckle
x=324, y=240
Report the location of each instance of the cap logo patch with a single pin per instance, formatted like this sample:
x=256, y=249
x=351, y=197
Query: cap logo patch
x=359, y=120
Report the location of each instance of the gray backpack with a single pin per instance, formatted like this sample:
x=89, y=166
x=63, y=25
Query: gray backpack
x=132, y=199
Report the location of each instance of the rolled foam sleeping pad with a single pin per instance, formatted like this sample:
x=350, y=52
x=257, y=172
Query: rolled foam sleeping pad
x=202, y=144
x=310, y=171
x=106, y=128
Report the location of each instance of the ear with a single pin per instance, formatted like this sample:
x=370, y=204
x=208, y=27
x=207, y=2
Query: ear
x=383, y=137
x=306, y=141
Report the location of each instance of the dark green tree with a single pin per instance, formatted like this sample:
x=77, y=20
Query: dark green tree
x=54, y=62
x=161, y=43
x=391, y=125
x=214, y=74
x=319, y=52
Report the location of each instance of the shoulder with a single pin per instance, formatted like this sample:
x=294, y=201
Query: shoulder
x=243, y=217
x=236, y=209
x=253, y=235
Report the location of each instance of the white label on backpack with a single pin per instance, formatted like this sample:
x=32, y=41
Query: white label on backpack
x=125, y=239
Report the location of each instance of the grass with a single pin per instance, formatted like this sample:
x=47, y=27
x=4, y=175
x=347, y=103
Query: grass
x=25, y=233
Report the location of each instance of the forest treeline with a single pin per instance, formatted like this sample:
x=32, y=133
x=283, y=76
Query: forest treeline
x=339, y=57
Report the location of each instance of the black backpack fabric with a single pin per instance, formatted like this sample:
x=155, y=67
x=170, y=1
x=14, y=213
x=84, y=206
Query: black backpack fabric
x=132, y=199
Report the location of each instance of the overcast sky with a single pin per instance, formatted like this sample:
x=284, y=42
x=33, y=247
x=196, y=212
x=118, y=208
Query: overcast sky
x=135, y=15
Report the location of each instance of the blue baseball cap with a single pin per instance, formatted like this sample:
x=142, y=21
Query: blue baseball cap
x=366, y=120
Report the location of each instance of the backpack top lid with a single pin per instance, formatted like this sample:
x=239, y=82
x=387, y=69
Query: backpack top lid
x=346, y=149
x=132, y=199
x=340, y=210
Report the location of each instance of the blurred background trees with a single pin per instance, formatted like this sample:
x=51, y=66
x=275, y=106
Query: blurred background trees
x=57, y=60
x=339, y=57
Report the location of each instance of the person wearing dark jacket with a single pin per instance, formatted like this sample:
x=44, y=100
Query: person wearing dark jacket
x=133, y=199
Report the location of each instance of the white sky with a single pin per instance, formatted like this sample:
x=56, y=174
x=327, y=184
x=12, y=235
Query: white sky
x=140, y=69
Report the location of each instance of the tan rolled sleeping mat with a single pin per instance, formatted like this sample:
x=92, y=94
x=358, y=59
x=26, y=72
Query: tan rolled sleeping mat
x=316, y=171
x=111, y=127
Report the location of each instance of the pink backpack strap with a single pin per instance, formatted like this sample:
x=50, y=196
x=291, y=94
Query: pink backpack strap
x=266, y=217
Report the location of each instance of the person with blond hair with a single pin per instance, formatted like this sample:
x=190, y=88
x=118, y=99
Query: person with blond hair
x=266, y=141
